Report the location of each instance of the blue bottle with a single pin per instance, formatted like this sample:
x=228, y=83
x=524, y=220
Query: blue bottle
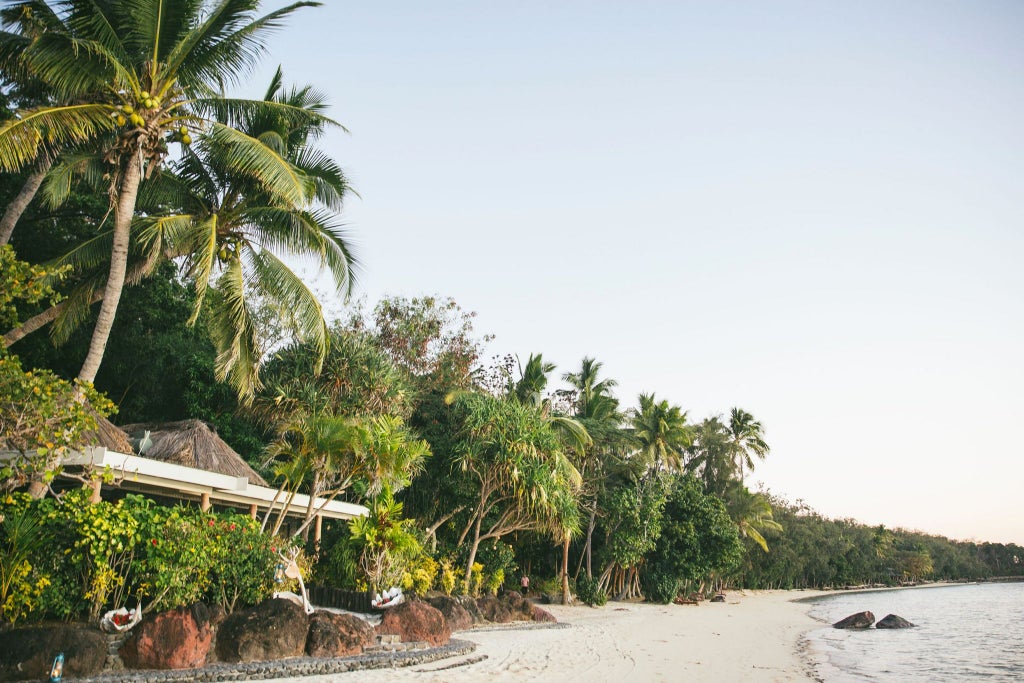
x=57, y=670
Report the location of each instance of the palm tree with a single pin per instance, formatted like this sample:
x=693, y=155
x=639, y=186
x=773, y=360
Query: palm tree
x=746, y=438
x=711, y=456
x=533, y=380
x=752, y=514
x=661, y=432
x=594, y=400
x=598, y=411
x=139, y=74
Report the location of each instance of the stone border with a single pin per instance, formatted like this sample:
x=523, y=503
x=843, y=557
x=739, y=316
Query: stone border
x=516, y=626
x=286, y=668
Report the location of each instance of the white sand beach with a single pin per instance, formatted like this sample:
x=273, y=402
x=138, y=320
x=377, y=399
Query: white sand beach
x=754, y=637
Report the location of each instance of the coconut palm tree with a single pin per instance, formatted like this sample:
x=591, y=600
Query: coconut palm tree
x=746, y=438
x=711, y=456
x=137, y=75
x=593, y=398
x=226, y=228
x=752, y=514
x=661, y=432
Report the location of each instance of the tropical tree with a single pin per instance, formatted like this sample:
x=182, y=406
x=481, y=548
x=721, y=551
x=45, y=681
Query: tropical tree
x=711, y=456
x=520, y=478
x=746, y=436
x=661, y=433
x=598, y=411
x=139, y=74
x=752, y=513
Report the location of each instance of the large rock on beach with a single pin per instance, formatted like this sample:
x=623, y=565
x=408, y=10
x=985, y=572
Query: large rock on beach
x=273, y=629
x=494, y=610
x=860, y=620
x=27, y=654
x=541, y=615
x=178, y=639
x=893, y=621
x=521, y=608
x=415, y=621
x=338, y=635
x=457, y=616
x=469, y=603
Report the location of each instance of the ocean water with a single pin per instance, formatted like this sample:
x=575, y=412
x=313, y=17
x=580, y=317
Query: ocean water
x=963, y=634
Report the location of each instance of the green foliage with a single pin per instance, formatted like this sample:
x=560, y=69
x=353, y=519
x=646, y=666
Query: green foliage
x=659, y=585
x=698, y=539
x=387, y=547
x=589, y=591
x=21, y=538
x=449, y=576
x=23, y=282
x=41, y=418
x=420, y=575
x=634, y=514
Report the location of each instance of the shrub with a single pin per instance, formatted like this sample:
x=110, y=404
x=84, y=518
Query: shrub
x=659, y=586
x=589, y=591
x=450, y=576
x=420, y=576
x=242, y=572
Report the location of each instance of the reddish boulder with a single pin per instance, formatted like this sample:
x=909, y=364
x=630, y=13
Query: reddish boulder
x=468, y=603
x=521, y=608
x=178, y=639
x=494, y=610
x=338, y=635
x=27, y=654
x=415, y=620
x=458, y=618
x=542, y=615
x=274, y=629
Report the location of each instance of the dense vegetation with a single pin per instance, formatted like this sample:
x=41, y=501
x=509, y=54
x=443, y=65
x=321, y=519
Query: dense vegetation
x=149, y=220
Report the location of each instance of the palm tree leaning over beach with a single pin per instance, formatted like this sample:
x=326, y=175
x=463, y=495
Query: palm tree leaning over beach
x=140, y=74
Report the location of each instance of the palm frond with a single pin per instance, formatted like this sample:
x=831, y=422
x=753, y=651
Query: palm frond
x=227, y=44
x=306, y=234
x=232, y=329
x=249, y=157
x=277, y=282
x=21, y=138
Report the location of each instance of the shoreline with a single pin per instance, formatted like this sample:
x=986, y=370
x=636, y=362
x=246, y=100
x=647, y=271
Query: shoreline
x=756, y=636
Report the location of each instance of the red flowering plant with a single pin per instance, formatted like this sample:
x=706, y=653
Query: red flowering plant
x=243, y=570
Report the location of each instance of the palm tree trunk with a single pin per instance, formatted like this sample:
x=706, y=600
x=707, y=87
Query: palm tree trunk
x=565, y=570
x=35, y=322
x=24, y=197
x=125, y=210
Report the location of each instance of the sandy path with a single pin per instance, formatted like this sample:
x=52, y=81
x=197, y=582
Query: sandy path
x=752, y=637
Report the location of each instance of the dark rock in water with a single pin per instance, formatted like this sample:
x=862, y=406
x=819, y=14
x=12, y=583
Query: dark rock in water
x=893, y=621
x=338, y=635
x=177, y=639
x=457, y=616
x=273, y=629
x=415, y=621
x=719, y=598
x=27, y=654
x=860, y=620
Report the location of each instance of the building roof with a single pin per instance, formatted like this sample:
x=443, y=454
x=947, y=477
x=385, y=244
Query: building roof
x=147, y=475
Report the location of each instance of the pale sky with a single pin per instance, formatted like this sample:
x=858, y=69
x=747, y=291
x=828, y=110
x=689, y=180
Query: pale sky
x=811, y=210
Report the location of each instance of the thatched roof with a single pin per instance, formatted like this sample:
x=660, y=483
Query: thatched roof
x=193, y=443
x=109, y=435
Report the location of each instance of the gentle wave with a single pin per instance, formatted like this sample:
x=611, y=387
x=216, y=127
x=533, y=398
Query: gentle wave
x=963, y=633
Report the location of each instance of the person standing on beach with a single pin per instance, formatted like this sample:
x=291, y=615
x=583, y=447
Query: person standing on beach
x=524, y=583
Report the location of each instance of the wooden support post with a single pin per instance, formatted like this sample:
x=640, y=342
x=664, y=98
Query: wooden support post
x=317, y=530
x=204, y=502
x=97, y=486
x=253, y=510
